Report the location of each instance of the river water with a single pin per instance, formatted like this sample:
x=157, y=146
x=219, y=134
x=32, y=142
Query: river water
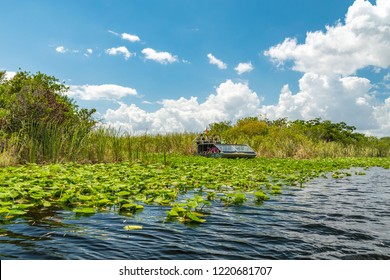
x=346, y=218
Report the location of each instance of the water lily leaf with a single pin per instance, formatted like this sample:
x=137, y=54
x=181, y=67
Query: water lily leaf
x=23, y=206
x=179, y=209
x=195, y=218
x=46, y=203
x=132, y=227
x=85, y=197
x=172, y=213
x=86, y=210
x=123, y=193
x=4, y=210
x=260, y=195
x=139, y=207
x=36, y=195
x=4, y=195
x=198, y=214
x=104, y=201
x=5, y=203
x=16, y=212
x=128, y=205
x=192, y=204
x=275, y=192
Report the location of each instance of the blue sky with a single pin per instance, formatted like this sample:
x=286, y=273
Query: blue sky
x=163, y=66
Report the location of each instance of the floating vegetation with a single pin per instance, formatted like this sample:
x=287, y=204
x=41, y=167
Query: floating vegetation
x=192, y=211
x=132, y=227
x=185, y=185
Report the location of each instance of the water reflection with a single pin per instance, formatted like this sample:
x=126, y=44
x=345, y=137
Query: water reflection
x=344, y=218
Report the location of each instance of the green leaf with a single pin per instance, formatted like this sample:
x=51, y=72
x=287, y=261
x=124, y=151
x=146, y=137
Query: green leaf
x=192, y=204
x=86, y=210
x=46, y=203
x=16, y=212
x=260, y=195
x=172, y=213
x=194, y=217
x=85, y=197
x=123, y=193
x=23, y=206
x=104, y=201
x=4, y=210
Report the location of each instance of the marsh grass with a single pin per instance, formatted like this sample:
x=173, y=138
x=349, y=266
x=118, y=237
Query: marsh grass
x=52, y=143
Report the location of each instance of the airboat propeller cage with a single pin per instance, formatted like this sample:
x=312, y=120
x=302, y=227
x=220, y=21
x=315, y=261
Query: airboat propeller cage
x=214, y=148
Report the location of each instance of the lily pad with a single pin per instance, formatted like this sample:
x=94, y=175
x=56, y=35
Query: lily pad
x=86, y=210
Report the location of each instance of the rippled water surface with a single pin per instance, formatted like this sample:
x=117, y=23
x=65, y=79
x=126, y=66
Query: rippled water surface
x=345, y=218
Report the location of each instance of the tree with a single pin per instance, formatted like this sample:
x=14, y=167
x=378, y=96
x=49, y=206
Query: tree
x=250, y=126
x=34, y=106
x=220, y=128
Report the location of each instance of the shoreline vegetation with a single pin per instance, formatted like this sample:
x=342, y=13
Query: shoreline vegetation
x=55, y=155
x=39, y=124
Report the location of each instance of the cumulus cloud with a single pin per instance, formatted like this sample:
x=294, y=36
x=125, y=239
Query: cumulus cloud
x=120, y=51
x=382, y=115
x=160, y=57
x=338, y=99
x=130, y=37
x=242, y=68
x=231, y=101
x=215, y=61
x=329, y=87
x=9, y=75
x=126, y=36
x=61, y=49
x=363, y=40
x=99, y=92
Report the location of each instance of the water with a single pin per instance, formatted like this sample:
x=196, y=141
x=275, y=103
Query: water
x=345, y=218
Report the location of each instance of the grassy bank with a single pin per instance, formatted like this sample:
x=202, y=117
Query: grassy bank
x=56, y=144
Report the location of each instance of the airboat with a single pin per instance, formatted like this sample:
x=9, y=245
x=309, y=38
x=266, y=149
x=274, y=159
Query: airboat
x=215, y=147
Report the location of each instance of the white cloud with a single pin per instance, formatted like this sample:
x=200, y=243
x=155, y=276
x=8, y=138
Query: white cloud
x=215, y=61
x=338, y=99
x=88, y=52
x=230, y=102
x=329, y=60
x=125, y=36
x=98, y=92
x=9, y=75
x=61, y=49
x=120, y=51
x=242, y=68
x=160, y=57
x=130, y=37
x=382, y=115
x=363, y=40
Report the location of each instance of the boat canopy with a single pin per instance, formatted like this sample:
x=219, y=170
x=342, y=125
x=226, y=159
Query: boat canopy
x=234, y=148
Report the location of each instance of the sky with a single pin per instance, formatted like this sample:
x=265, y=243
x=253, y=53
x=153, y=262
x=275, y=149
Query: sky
x=160, y=66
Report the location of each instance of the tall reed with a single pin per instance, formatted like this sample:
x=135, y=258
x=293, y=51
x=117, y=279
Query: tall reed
x=49, y=143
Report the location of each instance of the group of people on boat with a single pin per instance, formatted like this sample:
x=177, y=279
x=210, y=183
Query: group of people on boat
x=205, y=139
